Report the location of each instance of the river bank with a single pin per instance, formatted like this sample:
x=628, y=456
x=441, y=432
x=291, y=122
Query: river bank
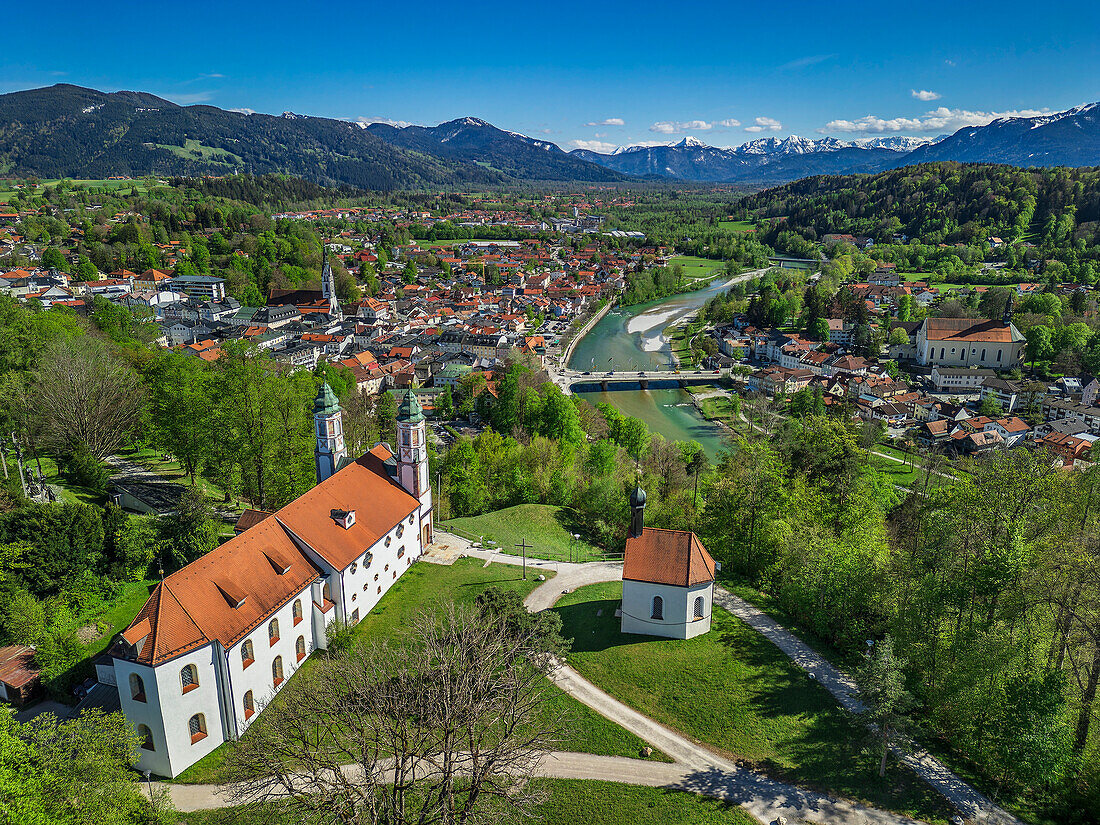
x=633, y=338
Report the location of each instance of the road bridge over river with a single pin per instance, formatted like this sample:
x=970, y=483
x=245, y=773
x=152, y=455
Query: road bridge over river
x=575, y=381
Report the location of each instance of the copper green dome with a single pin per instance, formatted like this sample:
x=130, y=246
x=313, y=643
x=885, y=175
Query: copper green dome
x=410, y=411
x=325, y=403
x=637, y=498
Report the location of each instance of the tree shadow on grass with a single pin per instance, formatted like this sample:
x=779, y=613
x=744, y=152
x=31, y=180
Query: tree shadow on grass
x=592, y=633
x=824, y=745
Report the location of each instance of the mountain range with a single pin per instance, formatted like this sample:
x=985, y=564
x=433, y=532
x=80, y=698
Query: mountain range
x=70, y=131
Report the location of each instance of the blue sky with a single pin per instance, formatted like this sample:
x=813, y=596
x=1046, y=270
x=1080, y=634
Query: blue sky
x=582, y=74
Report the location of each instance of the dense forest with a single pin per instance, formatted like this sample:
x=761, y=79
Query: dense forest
x=1047, y=218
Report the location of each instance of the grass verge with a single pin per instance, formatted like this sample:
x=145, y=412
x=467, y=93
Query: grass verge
x=569, y=801
x=546, y=527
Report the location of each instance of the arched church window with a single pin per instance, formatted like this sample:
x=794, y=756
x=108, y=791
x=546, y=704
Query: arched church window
x=189, y=678
x=197, y=726
x=145, y=736
x=698, y=607
x=658, y=608
x=137, y=688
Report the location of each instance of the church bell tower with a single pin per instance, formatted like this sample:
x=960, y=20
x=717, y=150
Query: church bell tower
x=328, y=425
x=328, y=287
x=412, y=458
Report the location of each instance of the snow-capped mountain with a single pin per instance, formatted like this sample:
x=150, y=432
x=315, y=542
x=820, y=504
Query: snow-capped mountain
x=762, y=160
x=1069, y=138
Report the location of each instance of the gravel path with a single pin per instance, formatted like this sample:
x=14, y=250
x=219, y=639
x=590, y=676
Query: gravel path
x=697, y=769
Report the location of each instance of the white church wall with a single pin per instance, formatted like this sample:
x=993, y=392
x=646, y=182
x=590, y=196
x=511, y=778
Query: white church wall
x=177, y=708
x=148, y=713
x=678, y=620
x=365, y=582
x=258, y=677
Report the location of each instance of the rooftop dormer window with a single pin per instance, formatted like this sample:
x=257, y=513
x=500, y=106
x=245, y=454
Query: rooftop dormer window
x=345, y=518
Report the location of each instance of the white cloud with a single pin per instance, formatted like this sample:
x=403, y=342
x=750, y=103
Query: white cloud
x=215, y=75
x=804, y=62
x=672, y=127
x=603, y=147
x=924, y=95
x=951, y=63
x=941, y=119
x=244, y=111
x=729, y=122
x=764, y=124
x=611, y=121
x=367, y=121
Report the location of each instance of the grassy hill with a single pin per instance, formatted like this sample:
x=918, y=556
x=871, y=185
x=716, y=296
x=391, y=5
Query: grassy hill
x=544, y=526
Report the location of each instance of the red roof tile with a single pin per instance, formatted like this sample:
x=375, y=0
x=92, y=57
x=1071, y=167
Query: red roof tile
x=675, y=557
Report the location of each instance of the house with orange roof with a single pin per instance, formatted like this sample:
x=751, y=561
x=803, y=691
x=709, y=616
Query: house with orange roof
x=217, y=639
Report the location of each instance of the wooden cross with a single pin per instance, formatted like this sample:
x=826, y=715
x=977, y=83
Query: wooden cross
x=524, y=547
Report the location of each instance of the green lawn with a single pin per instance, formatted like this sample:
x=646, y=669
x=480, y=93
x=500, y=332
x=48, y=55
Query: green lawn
x=570, y=801
x=718, y=408
x=6, y=194
x=737, y=226
x=544, y=526
x=739, y=694
x=695, y=267
x=902, y=474
x=52, y=474
x=194, y=150
x=427, y=586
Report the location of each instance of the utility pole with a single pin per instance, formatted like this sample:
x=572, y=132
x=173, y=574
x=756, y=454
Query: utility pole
x=524, y=547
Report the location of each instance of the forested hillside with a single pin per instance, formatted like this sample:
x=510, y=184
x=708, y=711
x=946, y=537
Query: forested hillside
x=1039, y=224
x=943, y=203
x=69, y=131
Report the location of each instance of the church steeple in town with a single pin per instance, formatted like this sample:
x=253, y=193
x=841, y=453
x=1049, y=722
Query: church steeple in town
x=328, y=424
x=328, y=284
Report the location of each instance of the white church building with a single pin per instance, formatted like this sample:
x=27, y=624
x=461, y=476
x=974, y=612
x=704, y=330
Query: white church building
x=218, y=638
x=668, y=579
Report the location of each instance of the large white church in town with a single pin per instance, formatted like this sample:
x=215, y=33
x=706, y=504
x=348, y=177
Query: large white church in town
x=218, y=638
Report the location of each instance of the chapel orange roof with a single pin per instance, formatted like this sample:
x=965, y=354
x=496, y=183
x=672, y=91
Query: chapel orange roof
x=675, y=557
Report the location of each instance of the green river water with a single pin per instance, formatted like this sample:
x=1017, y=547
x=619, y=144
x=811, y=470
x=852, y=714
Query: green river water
x=630, y=339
